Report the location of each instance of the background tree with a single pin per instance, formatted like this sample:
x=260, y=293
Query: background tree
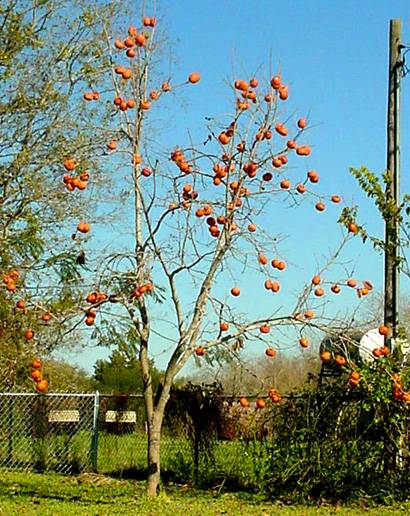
x=121, y=373
x=46, y=48
x=65, y=377
x=286, y=371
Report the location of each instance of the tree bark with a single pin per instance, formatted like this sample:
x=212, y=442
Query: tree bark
x=154, y=464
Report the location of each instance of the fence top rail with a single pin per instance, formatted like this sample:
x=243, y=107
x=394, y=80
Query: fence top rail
x=51, y=394
x=72, y=394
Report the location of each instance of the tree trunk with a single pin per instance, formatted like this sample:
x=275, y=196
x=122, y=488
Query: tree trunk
x=154, y=459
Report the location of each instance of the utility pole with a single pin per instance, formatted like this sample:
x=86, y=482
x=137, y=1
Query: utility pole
x=392, y=226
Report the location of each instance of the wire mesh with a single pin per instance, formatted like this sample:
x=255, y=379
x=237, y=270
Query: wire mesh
x=70, y=433
x=46, y=432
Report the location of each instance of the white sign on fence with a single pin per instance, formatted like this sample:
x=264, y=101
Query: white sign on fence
x=126, y=416
x=64, y=416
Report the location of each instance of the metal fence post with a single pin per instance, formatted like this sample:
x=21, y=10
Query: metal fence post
x=94, y=437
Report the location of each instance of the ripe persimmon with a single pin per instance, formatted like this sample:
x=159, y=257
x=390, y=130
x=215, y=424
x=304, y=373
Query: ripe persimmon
x=325, y=356
x=262, y=259
x=42, y=385
x=119, y=44
x=69, y=164
x=89, y=321
x=83, y=227
x=194, y=78
x=274, y=396
x=281, y=129
x=46, y=317
x=319, y=292
x=275, y=286
x=11, y=286
x=351, y=282
x=316, y=280
x=265, y=328
x=244, y=402
x=336, y=199
x=29, y=334
x=14, y=274
x=145, y=105
x=200, y=351
x=21, y=304
x=270, y=352
x=235, y=291
x=281, y=266
x=260, y=403
x=385, y=351
x=36, y=375
x=283, y=92
x=36, y=364
x=224, y=138
x=252, y=228
x=140, y=39
x=384, y=330
x=313, y=176
x=285, y=184
x=340, y=360
x=112, y=145
x=275, y=82
x=302, y=123
x=352, y=228
x=303, y=150
x=335, y=289
x=224, y=326
x=301, y=188
x=304, y=343
x=129, y=42
x=320, y=206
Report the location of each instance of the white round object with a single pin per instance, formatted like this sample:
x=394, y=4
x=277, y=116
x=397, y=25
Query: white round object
x=370, y=341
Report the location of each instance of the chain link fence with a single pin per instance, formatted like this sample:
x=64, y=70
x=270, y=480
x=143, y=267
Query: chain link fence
x=208, y=438
x=71, y=433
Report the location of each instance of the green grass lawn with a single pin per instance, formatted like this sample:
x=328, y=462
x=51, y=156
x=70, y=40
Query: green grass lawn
x=88, y=494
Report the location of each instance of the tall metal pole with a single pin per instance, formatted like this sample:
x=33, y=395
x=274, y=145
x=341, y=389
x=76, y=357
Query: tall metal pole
x=391, y=262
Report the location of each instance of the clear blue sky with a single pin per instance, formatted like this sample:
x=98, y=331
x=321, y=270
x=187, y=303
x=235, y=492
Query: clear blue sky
x=334, y=56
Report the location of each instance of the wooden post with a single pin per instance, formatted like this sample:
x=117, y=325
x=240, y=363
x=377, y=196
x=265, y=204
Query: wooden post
x=391, y=273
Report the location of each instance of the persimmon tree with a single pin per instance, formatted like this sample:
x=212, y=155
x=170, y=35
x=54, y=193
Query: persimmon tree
x=200, y=218
x=44, y=53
